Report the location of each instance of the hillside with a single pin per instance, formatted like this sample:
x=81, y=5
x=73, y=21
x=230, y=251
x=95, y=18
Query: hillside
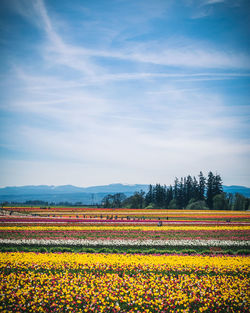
x=86, y=195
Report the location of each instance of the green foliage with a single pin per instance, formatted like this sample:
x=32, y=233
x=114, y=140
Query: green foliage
x=243, y=252
x=186, y=193
x=126, y=249
x=43, y=249
x=113, y=201
x=197, y=205
x=149, y=196
x=151, y=251
x=220, y=202
x=201, y=187
x=241, y=202
x=214, y=187
x=89, y=250
x=173, y=205
x=189, y=251
x=151, y=206
x=135, y=201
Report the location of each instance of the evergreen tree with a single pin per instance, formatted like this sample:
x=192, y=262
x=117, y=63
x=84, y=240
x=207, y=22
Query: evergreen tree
x=176, y=184
x=185, y=193
x=189, y=189
x=202, y=186
x=169, y=196
x=214, y=188
x=180, y=194
x=149, y=196
x=210, y=189
x=160, y=195
x=218, y=189
x=195, y=189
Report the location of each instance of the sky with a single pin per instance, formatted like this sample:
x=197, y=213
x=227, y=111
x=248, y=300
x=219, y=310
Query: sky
x=124, y=91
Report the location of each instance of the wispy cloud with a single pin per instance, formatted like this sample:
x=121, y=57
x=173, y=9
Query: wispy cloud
x=205, y=8
x=129, y=107
x=178, y=53
x=207, y=2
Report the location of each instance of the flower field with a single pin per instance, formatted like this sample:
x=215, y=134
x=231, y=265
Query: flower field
x=163, y=262
x=121, y=227
x=122, y=213
x=69, y=282
x=90, y=234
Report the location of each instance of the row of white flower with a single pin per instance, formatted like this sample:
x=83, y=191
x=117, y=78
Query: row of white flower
x=120, y=242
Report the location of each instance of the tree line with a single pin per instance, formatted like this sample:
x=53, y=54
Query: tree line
x=189, y=193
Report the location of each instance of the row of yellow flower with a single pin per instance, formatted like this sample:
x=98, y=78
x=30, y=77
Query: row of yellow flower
x=130, y=227
x=120, y=212
x=73, y=283
x=58, y=260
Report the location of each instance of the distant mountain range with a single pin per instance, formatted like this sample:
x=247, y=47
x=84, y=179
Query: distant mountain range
x=85, y=195
x=66, y=193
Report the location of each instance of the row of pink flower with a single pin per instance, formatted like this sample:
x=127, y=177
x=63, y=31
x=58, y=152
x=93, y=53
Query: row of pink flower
x=102, y=234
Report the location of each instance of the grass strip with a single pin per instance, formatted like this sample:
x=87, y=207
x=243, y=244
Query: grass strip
x=127, y=249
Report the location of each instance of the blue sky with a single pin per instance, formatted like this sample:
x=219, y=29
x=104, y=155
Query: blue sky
x=98, y=92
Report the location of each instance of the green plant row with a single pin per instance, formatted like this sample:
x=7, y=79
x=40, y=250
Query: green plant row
x=125, y=249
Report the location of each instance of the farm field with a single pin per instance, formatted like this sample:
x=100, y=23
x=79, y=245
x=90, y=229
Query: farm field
x=71, y=282
x=123, y=213
x=116, y=228
x=124, y=260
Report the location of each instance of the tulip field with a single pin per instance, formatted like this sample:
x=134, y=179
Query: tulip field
x=123, y=260
x=70, y=282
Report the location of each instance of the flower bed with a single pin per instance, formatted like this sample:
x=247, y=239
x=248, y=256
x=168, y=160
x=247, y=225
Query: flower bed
x=79, y=220
x=128, y=242
x=118, y=233
x=132, y=213
x=115, y=283
x=128, y=227
x=126, y=234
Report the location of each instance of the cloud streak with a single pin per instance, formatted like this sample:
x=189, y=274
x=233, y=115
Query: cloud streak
x=188, y=54
x=131, y=108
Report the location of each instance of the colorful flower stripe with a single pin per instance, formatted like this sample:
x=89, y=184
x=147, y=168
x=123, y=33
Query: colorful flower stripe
x=172, y=262
x=42, y=220
x=122, y=283
x=135, y=227
x=122, y=210
x=27, y=208
x=127, y=242
x=134, y=212
x=97, y=234
x=141, y=214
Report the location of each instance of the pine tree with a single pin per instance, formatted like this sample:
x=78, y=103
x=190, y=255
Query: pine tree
x=202, y=186
x=210, y=189
x=218, y=189
x=189, y=189
x=180, y=194
x=149, y=196
x=195, y=189
x=160, y=195
x=214, y=188
x=169, y=196
x=176, y=185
